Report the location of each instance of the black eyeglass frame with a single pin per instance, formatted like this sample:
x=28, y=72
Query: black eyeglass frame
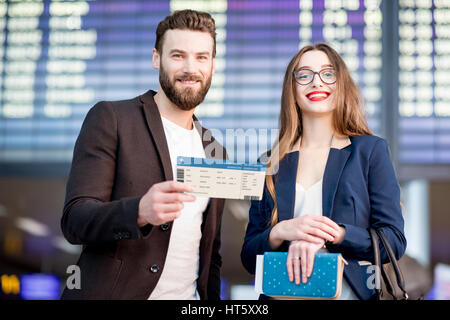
x=314, y=74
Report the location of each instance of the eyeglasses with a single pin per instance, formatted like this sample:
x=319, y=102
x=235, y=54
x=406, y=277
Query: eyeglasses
x=306, y=76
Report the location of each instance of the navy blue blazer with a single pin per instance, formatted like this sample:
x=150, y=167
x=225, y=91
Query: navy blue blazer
x=360, y=190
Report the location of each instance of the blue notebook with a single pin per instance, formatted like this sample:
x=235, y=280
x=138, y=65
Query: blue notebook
x=325, y=281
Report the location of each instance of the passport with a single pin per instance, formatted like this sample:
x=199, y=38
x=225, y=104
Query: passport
x=325, y=282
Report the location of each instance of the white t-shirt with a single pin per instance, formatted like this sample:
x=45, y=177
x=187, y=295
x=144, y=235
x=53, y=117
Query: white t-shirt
x=178, y=280
x=309, y=201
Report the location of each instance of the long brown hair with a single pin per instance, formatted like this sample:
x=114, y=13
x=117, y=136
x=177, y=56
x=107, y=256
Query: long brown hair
x=349, y=119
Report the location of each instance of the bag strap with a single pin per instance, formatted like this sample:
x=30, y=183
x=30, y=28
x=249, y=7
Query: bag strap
x=380, y=271
x=377, y=260
x=394, y=262
x=375, y=236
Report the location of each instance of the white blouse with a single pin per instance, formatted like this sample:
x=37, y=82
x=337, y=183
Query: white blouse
x=178, y=279
x=309, y=201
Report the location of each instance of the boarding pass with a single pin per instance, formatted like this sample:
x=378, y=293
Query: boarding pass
x=226, y=179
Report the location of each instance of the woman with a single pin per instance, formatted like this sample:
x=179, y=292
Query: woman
x=329, y=179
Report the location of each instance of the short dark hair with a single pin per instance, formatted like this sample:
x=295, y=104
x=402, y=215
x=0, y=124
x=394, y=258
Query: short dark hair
x=186, y=19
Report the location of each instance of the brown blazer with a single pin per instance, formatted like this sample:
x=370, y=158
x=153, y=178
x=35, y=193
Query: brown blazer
x=120, y=153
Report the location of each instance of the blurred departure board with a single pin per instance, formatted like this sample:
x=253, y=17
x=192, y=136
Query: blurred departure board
x=58, y=58
x=424, y=82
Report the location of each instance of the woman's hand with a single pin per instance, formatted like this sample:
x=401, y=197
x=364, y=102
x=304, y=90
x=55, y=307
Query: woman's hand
x=300, y=260
x=310, y=228
x=340, y=237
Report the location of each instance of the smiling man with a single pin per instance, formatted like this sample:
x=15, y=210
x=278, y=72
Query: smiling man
x=143, y=237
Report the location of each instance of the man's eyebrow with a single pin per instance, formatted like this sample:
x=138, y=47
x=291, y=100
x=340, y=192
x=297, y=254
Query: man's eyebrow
x=197, y=53
x=176, y=50
x=203, y=53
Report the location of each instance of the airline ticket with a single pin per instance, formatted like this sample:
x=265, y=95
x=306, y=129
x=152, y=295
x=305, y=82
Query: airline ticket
x=226, y=179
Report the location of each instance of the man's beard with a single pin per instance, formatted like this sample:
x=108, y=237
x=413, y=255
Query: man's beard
x=187, y=98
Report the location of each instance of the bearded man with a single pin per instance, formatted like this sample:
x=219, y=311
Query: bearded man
x=143, y=236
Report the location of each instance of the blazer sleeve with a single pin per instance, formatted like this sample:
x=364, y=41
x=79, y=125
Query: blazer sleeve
x=256, y=239
x=89, y=215
x=385, y=211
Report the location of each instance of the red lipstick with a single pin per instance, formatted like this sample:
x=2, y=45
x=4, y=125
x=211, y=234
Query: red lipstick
x=317, y=95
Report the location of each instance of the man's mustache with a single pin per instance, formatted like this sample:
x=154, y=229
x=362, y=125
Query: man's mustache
x=189, y=78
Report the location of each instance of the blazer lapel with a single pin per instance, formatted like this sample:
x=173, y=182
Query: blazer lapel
x=287, y=177
x=213, y=150
x=203, y=135
x=333, y=170
x=156, y=128
x=285, y=186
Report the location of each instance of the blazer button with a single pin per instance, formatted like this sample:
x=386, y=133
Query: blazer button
x=164, y=227
x=154, y=268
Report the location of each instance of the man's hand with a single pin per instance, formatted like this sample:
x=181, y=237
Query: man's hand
x=163, y=203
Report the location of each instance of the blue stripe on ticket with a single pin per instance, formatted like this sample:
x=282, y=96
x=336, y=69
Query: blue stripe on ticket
x=219, y=164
